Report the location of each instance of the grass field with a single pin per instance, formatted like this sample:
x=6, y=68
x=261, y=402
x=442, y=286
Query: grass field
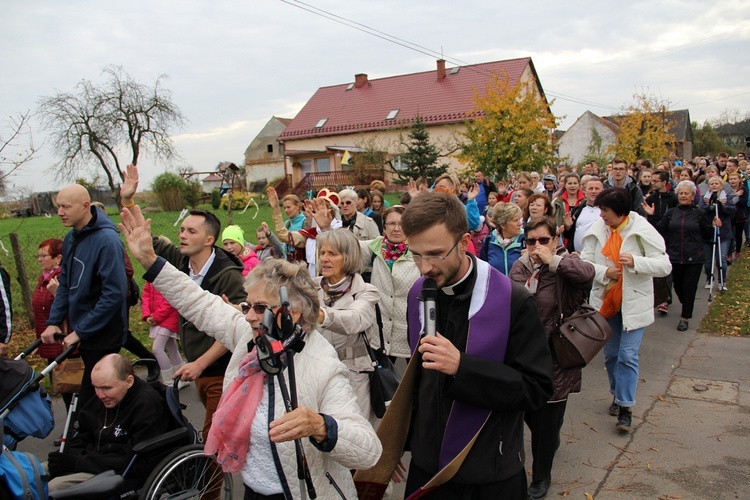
x=729, y=313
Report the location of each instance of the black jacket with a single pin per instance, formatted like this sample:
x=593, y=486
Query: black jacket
x=142, y=414
x=661, y=203
x=685, y=229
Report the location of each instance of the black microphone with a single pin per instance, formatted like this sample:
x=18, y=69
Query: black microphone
x=429, y=300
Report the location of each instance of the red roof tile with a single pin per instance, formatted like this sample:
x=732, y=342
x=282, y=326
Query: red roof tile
x=364, y=108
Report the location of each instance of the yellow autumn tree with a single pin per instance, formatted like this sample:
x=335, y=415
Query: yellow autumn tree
x=510, y=129
x=645, y=129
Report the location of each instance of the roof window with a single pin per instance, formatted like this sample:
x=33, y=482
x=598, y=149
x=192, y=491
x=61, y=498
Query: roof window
x=392, y=114
x=321, y=122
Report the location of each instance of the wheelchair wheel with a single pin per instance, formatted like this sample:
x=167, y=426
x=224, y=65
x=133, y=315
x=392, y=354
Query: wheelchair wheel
x=187, y=473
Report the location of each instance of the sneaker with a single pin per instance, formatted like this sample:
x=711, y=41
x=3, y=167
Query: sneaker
x=682, y=325
x=708, y=285
x=614, y=408
x=624, y=420
x=663, y=308
x=723, y=288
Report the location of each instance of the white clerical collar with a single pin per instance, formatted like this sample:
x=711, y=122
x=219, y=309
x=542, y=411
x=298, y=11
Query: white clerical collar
x=449, y=289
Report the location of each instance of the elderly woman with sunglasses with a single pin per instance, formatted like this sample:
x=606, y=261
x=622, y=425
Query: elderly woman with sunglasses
x=251, y=432
x=347, y=308
x=549, y=272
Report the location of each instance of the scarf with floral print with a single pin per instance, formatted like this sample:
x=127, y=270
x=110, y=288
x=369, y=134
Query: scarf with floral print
x=392, y=251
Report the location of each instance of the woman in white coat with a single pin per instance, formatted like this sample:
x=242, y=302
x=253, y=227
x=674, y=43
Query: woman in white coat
x=251, y=432
x=627, y=252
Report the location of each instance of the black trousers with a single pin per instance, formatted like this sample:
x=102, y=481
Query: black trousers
x=513, y=488
x=545, y=425
x=685, y=278
x=251, y=495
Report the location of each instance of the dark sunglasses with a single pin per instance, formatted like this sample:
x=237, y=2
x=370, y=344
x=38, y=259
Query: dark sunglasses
x=533, y=241
x=259, y=309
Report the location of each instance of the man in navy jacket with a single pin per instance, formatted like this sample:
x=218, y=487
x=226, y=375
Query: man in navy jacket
x=93, y=285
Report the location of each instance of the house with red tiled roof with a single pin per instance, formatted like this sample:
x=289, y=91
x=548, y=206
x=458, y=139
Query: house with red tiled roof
x=211, y=181
x=343, y=120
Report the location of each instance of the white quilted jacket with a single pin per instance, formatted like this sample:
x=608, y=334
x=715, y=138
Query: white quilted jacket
x=322, y=385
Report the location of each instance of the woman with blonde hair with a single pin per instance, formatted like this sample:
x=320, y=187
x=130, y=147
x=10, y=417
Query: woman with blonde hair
x=505, y=243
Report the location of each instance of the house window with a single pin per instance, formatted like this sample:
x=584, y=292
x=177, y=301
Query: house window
x=392, y=114
x=269, y=148
x=397, y=163
x=306, y=167
x=322, y=164
x=321, y=122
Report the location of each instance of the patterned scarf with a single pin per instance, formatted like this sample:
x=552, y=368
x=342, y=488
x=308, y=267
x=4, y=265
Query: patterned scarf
x=229, y=436
x=533, y=282
x=613, y=291
x=332, y=293
x=392, y=251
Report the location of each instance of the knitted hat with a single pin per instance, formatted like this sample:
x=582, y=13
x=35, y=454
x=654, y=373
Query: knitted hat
x=234, y=233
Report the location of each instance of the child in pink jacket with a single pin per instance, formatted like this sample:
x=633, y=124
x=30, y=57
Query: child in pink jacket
x=164, y=322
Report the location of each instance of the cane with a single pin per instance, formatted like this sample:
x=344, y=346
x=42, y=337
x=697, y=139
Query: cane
x=720, y=262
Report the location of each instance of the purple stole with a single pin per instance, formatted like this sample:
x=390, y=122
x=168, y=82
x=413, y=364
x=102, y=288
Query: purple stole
x=489, y=328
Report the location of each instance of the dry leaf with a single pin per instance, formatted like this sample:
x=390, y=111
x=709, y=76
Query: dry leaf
x=589, y=496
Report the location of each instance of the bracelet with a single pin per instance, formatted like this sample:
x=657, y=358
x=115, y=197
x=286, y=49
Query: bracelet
x=132, y=204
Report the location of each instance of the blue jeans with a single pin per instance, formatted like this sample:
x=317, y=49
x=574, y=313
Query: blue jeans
x=621, y=360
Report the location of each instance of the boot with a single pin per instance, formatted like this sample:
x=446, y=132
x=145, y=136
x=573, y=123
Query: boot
x=166, y=376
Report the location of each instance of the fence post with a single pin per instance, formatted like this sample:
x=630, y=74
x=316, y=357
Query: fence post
x=22, y=277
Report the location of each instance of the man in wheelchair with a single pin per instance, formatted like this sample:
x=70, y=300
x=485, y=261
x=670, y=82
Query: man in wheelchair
x=125, y=412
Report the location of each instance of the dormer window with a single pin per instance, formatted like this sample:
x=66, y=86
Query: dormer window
x=392, y=114
x=321, y=123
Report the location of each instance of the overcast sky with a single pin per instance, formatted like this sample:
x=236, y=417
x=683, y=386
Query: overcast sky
x=233, y=65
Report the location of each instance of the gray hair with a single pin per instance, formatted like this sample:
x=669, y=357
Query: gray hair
x=272, y=274
x=348, y=194
x=344, y=242
x=686, y=184
x=504, y=213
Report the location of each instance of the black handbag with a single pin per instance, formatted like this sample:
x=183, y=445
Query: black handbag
x=384, y=379
x=580, y=336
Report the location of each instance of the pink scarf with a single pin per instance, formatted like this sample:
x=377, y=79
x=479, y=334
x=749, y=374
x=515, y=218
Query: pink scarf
x=229, y=436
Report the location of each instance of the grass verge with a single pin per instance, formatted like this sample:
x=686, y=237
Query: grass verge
x=729, y=313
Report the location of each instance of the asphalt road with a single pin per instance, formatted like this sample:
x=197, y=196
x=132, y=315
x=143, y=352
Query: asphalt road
x=691, y=434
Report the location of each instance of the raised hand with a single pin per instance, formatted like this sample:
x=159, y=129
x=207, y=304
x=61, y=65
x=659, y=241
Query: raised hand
x=649, y=209
x=321, y=212
x=129, y=185
x=137, y=231
x=473, y=191
x=273, y=197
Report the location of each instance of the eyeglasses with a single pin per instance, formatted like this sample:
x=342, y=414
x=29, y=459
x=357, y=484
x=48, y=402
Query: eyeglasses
x=259, y=309
x=42, y=256
x=544, y=240
x=391, y=225
x=347, y=202
x=434, y=258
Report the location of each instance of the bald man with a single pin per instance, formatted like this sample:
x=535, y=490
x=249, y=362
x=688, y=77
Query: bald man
x=93, y=285
x=125, y=412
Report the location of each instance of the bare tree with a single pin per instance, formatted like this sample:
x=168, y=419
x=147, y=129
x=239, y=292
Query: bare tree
x=17, y=148
x=96, y=122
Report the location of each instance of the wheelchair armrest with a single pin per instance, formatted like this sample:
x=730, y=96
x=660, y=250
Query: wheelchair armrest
x=157, y=442
x=96, y=487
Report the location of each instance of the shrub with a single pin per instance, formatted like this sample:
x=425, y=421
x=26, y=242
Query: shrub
x=215, y=199
x=192, y=193
x=168, y=188
x=239, y=200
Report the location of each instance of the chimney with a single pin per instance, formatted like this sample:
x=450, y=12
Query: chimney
x=440, y=69
x=360, y=80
